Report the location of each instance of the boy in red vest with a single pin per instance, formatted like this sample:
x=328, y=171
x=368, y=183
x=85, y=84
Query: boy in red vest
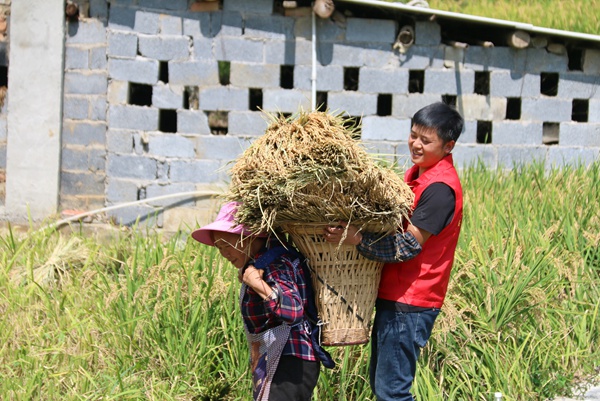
x=418, y=259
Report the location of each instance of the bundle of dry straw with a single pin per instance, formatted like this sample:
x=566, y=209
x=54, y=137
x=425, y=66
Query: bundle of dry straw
x=309, y=168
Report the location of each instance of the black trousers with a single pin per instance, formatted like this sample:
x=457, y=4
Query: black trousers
x=294, y=380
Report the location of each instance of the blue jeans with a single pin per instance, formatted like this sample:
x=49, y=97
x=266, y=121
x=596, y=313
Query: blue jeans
x=396, y=343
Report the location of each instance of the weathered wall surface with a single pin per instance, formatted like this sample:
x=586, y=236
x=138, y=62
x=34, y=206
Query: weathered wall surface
x=160, y=96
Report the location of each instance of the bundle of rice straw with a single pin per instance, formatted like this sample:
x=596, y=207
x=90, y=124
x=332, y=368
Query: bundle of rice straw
x=309, y=168
x=309, y=171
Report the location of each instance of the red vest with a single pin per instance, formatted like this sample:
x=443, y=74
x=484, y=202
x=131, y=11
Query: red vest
x=423, y=280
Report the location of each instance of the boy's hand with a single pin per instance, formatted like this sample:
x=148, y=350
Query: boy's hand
x=336, y=233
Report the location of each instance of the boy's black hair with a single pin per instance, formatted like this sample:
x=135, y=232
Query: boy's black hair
x=443, y=118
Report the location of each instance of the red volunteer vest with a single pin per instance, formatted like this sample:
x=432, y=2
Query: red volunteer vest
x=423, y=280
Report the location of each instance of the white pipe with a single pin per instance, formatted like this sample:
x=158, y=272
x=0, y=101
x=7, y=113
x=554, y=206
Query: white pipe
x=80, y=216
x=313, y=75
x=474, y=18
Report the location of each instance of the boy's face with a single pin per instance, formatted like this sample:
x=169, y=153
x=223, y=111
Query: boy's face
x=426, y=147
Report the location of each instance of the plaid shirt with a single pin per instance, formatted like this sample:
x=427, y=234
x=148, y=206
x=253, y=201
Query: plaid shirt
x=290, y=285
x=389, y=249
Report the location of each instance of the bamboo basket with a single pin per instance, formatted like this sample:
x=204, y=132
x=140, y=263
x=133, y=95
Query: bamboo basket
x=345, y=284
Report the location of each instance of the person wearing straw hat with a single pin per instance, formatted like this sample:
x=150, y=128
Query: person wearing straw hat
x=273, y=299
x=418, y=259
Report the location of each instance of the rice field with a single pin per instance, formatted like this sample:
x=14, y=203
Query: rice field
x=142, y=316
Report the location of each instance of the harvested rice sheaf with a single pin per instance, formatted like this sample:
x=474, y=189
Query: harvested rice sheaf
x=309, y=169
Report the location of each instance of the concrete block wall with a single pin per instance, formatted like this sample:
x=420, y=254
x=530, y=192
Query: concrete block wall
x=160, y=99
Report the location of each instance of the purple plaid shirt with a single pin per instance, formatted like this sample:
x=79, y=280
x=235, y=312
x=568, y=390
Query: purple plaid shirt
x=260, y=315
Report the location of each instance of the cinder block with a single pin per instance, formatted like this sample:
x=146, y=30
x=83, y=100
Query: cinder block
x=249, y=7
x=540, y=60
x=594, y=111
x=119, y=141
x=326, y=30
x=510, y=157
x=377, y=56
x=514, y=84
x=465, y=156
x=202, y=49
x=119, y=191
x=170, y=145
x=427, y=33
x=371, y=30
x=170, y=24
x=547, y=109
x=226, y=23
x=83, y=133
x=269, y=27
x=76, y=58
x=118, y=92
x=254, y=75
x=195, y=171
x=146, y=22
x=167, y=96
x=591, y=61
x=156, y=190
x=139, y=70
x=286, y=100
x=224, y=98
x=164, y=47
x=239, y=49
x=85, y=83
x=561, y=156
x=449, y=82
x=496, y=58
x=220, y=147
x=383, y=80
x=99, y=9
x=480, y=107
x=578, y=86
x=98, y=107
x=577, y=134
x=88, y=31
x=76, y=107
x=175, y=5
x=353, y=103
x=133, y=117
x=131, y=166
x=281, y=52
x=3, y=135
x=197, y=25
x=194, y=73
x=139, y=216
x=380, y=151
x=122, y=44
x=83, y=159
x=454, y=57
x=81, y=184
x=185, y=219
x=408, y=105
x=253, y=123
x=517, y=133
x=469, y=134
x=421, y=57
x=192, y=122
x=329, y=78
x=375, y=128
x=3, y=155
x=121, y=18
x=98, y=58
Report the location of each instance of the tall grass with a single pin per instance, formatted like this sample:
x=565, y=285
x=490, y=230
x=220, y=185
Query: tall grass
x=569, y=15
x=148, y=318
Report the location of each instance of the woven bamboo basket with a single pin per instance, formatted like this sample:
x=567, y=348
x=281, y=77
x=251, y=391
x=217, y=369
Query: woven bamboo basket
x=345, y=284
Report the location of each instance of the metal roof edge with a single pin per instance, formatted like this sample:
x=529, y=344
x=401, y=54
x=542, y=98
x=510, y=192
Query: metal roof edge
x=473, y=18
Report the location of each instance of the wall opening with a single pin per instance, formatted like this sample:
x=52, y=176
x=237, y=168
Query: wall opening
x=224, y=70
x=3, y=75
x=140, y=94
x=575, y=59
x=450, y=100
x=482, y=82
x=321, y=101
x=416, y=81
x=163, y=72
x=513, y=108
x=218, y=122
x=191, y=98
x=256, y=99
x=351, y=78
x=550, y=133
x=286, y=77
x=384, y=105
x=484, y=132
x=549, y=83
x=580, y=109
x=167, y=120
